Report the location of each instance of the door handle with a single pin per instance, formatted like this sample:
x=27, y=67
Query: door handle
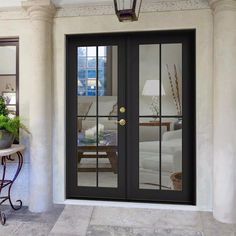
x=121, y=122
x=122, y=110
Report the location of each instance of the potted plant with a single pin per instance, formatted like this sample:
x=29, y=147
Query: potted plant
x=9, y=126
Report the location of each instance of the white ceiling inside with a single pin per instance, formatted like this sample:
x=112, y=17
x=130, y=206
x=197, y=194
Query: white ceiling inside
x=17, y=3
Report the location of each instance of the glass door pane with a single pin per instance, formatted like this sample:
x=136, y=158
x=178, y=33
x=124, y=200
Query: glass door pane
x=149, y=133
x=8, y=76
x=97, y=116
x=171, y=107
x=160, y=116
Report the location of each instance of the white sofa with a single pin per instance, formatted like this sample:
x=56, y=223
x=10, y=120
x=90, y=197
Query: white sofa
x=171, y=159
x=149, y=139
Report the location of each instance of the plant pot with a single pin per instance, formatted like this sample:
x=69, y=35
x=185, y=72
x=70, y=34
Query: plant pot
x=177, y=181
x=178, y=124
x=6, y=139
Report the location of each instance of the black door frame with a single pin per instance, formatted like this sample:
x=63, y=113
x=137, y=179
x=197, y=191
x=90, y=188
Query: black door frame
x=188, y=195
x=73, y=191
x=130, y=192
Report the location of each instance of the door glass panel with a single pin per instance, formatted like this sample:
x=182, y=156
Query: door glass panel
x=171, y=154
x=108, y=152
x=160, y=137
x=171, y=72
x=149, y=80
x=8, y=77
x=149, y=159
x=87, y=151
x=107, y=108
x=86, y=81
x=107, y=78
x=8, y=60
x=97, y=116
x=171, y=105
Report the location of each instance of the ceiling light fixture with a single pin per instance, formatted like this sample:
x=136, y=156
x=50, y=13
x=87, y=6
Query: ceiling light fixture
x=127, y=10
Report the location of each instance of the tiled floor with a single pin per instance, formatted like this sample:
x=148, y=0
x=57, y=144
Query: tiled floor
x=110, y=221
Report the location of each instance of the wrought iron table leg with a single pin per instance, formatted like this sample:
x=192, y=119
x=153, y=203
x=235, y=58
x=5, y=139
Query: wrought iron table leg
x=2, y=218
x=2, y=215
x=20, y=163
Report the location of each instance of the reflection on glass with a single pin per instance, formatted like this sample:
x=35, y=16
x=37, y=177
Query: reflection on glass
x=108, y=153
x=149, y=81
x=107, y=76
x=171, y=72
x=87, y=152
x=148, y=154
x=97, y=81
x=8, y=60
x=171, y=155
x=87, y=81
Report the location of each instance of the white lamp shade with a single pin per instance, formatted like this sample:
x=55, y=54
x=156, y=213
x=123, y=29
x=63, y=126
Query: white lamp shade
x=152, y=88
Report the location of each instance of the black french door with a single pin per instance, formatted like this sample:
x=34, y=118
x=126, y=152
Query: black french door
x=130, y=116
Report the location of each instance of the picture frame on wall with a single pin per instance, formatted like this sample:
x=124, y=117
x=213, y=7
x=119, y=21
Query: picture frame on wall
x=10, y=97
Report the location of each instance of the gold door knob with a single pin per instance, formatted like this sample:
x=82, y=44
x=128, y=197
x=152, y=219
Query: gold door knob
x=122, y=110
x=121, y=122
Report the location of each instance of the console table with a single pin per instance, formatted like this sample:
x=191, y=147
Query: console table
x=157, y=123
x=108, y=148
x=9, y=155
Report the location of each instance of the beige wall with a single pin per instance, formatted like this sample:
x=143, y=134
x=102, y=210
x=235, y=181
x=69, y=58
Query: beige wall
x=201, y=20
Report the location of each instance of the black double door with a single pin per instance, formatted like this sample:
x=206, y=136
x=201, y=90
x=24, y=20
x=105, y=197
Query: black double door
x=130, y=117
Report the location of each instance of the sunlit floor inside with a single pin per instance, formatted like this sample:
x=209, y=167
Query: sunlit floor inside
x=109, y=179
x=71, y=220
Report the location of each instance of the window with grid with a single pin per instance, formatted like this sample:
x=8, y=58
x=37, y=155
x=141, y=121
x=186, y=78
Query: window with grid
x=89, y=58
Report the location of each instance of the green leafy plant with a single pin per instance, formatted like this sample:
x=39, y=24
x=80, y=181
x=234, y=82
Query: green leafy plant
x=3, y=108
x=12, y=125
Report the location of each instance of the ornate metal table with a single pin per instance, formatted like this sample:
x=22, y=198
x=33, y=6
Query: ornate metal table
x=8, y=155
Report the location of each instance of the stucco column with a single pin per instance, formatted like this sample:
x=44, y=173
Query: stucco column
x=224, y=186
x=40, y=85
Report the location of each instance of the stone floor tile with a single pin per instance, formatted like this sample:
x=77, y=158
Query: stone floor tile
x=24, y=215
x=51, y=216
x=178, y=232
x=74, y=220
x=127, y=217
x=182, y=219
x=63, y=234
x=101, y=230
x=218, y=232
x=33, y=229
x=9, y=229
x=210, y=223
x=11, y=218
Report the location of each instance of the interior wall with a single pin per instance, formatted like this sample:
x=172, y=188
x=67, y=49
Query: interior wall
x=201, y=20
x=8, y=55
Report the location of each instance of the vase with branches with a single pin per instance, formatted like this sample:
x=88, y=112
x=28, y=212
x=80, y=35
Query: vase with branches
x=175, y=91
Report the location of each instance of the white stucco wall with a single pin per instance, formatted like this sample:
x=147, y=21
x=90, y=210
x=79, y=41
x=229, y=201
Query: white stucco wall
x=201, y=20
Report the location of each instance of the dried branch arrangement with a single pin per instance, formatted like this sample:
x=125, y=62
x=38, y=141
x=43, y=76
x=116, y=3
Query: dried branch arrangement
x=175, y=90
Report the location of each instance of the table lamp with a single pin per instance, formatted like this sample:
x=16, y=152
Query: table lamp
x=152, y=88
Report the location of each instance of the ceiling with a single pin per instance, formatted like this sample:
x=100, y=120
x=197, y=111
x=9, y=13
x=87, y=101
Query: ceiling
x=17, y=3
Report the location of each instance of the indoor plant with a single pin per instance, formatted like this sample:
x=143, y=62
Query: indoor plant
x=9, y=126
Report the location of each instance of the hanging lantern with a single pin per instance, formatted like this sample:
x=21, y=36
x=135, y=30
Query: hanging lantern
x=127, y=10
